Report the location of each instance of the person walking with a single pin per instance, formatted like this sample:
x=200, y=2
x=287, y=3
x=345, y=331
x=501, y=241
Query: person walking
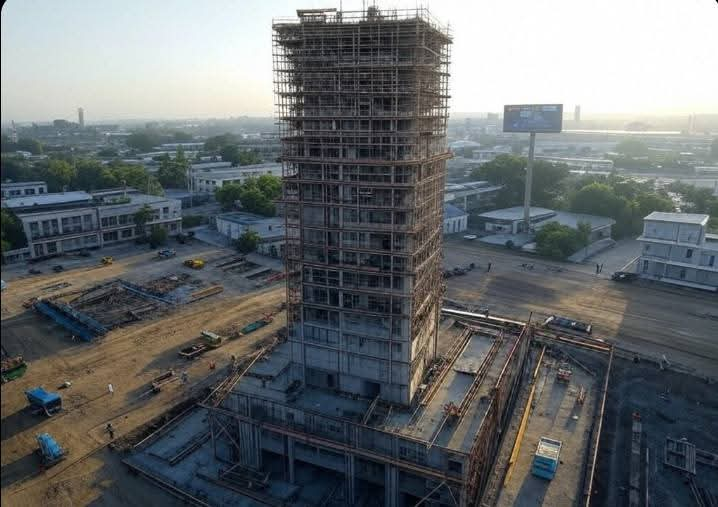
x=488, y=268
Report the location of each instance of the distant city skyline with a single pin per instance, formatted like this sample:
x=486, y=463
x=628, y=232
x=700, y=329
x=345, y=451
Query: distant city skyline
x=146, y=60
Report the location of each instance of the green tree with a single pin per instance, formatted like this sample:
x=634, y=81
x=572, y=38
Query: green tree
x=158, y=236
x=270, y=186
x=230, y=153
x=92, y=175
x=173, y=173
x=632, y=148
x=228, y=194
x=182, y=137
x=560, y=241
x=32, y=145
x=248, y=241
x=650, y=202
x=142, y=216
x=510, y=171
x=217, y=142
x=11, y=231
x=15, y=168
x=59, y=175
x=143, y=140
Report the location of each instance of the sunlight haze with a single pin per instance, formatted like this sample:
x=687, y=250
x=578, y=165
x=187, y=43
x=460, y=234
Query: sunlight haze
x=213, y=59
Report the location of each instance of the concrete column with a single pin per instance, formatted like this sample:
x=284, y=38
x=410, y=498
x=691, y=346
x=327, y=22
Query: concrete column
x=290, y=459
x=350, y=480
x=391, y=486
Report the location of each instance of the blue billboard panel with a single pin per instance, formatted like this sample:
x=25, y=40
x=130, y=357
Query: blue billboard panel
x=533, y=118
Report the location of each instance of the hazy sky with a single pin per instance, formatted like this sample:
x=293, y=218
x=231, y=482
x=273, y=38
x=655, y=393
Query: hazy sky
x=189, y=58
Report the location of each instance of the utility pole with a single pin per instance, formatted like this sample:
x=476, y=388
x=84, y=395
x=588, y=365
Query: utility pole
x=529, y=182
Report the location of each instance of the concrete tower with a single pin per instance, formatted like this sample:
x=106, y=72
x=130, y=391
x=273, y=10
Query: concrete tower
x=81, y=117
x=362, y=104
x=577, y=114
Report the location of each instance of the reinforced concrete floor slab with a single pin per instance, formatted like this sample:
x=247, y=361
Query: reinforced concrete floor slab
x=556, y=415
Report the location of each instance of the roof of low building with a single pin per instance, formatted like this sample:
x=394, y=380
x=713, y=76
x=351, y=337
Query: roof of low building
x=681, y=218
x=573, y=219
x=451, y=211
x=516, y=213
x=52, y=199
x=10, y=184
x=242, y=218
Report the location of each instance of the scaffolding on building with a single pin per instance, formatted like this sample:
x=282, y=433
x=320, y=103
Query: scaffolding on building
x=362, y=106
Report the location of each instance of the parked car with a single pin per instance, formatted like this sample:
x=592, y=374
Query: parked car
x=624, y=276
x=470, y=236
x=34, y=271
x=554, y=321
x=57, y=268
x=84, y=253
x=166, y=253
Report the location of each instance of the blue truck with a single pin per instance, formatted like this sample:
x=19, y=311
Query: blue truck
x=49, y=450
x=44, y=401
x=546, y=458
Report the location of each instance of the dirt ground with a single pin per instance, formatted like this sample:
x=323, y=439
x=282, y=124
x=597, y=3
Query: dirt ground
x=670, y=404
x=649, y=319
x=129, y=358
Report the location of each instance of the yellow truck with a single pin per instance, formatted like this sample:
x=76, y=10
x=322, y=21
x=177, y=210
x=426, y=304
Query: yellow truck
x=106, y=261
x=194, y=263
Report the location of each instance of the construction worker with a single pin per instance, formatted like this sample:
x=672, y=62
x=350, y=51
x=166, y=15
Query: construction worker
x=185, y=377
x=111, y=431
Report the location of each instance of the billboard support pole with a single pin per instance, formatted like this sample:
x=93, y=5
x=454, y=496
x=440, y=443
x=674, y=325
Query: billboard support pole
x=529, y=182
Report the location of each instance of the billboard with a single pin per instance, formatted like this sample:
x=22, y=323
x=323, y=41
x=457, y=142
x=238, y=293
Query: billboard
x=533, y=118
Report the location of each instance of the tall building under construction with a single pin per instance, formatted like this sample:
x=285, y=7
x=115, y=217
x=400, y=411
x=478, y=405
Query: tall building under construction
x=362, y=103
x=363, y=404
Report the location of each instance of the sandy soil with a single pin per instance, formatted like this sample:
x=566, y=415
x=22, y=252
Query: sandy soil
x=129, y=358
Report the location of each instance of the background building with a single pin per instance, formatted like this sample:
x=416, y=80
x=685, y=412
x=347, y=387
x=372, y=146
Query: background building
x=63, y=222
x=209, y=179
x=455, y=219
x=271, y=230
x=678, y=250
x=23, y=188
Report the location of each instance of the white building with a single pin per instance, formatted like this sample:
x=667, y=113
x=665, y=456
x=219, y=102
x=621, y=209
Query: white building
x=678, y=250
x=22, y=188
x=63, y=222
x=455, y=219
x=511, y=221
x=271, y=230
x=210, y=179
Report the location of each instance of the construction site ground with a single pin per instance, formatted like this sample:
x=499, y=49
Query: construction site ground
x=557, y=413
x=670, y=404
x=650, y=319
x=129, y=358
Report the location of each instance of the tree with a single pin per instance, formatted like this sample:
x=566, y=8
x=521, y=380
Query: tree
x=270, y=186
x=11, y=231
x=15, y=168
x=560, y=241
x=248, y=241
x=158, y=236
x=228, y=194
x=632, y=148
x=59, y=175
x=510, y=171
x=31, y=145
x=173, y=173
x=182, y=137
x=143, y=140
x=142, y=216
x=92, y=175
x=217, y=142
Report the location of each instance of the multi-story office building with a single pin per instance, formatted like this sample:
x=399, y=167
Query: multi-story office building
x=678, y=250
x=63, y=222
x=23, y=188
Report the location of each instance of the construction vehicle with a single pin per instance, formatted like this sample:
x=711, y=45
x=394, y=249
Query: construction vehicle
x=161, y=380
x=13, y=368
x=166, y=253
x=44, y=401
x=50, y=451
x=107, y=260
x=624, y=276
x=546, y=459
x=194, y=351
x=563, y=374
x=194, y=263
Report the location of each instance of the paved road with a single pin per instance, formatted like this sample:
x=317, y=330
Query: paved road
x=682, y=324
